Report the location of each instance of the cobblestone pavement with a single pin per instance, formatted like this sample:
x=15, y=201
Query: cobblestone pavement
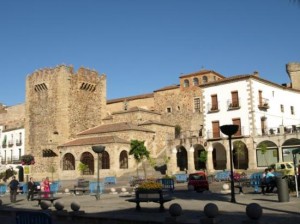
x=115, y=206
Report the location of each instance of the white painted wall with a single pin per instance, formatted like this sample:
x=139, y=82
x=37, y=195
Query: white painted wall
x=275, y=94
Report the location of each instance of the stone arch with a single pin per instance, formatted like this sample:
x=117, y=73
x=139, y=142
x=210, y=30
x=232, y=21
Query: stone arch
x=219, y=156
x=240, y=155
x=270, y=156
x=198, y=149
x=182, y=160
x=88, y=159
x=287, y=147
x=68, y=162
x=186, y=83
x=123, y=160
x=105, y=160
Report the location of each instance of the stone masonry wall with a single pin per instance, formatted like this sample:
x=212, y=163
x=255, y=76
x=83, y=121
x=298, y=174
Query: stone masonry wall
x=59, y=104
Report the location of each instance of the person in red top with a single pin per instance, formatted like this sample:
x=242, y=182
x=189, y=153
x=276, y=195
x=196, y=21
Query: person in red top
x=46, y=184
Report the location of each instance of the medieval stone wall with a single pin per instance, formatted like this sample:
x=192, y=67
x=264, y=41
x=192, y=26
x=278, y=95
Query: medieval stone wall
x=12, y=116
x=181, y=112
x=59, y=104
x=136, y=117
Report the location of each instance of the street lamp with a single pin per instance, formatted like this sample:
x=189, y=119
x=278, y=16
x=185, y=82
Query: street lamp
x=98, y=149
x=230, y=130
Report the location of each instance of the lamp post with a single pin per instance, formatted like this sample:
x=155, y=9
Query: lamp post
x=230, y=130
x=98, y=149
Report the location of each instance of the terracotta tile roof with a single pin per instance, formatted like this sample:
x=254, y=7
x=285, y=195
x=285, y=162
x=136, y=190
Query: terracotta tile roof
x=135, y=109
x=201, y=72
x=241, y=77
x=168, y=88
x=117, y=127
x=95, y=141
x=156, y=122
x=129, y=98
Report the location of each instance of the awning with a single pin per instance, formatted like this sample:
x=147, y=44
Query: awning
x=49, y=153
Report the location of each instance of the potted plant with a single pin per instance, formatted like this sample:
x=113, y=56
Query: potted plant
x=27, y=160
x=149, y=186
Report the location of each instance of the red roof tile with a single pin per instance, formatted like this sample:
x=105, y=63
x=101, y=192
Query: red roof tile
x=95, y=141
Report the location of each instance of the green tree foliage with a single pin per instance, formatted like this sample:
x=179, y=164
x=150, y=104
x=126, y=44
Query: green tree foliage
x=239, y=151
x=264, y=149
x=82, y=167
x=139, y=152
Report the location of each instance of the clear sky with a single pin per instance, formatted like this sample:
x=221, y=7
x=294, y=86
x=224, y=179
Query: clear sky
x=143, y=45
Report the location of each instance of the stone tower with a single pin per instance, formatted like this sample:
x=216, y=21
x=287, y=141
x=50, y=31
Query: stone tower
x=293, y=70
x=59, y=104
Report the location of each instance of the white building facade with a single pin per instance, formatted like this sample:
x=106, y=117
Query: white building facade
x=12, y=144
x=268, y=115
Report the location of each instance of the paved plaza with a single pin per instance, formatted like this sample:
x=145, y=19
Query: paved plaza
x=113, y=207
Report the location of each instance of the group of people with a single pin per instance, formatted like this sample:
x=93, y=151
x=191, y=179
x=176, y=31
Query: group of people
x=32, y=188
x=268, y=181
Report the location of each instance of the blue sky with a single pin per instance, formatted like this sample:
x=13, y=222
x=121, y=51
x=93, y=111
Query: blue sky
x=143, y=45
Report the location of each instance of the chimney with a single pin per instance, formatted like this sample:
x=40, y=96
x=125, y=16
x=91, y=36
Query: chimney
x=256, y=73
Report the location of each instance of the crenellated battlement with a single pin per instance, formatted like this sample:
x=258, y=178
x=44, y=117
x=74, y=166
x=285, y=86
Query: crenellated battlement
x=87, y=74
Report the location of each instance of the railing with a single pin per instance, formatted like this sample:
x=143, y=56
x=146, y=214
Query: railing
x=18, y=142
x=213, y=107
x=233, y=105
x=218, y=134
x=263, y=104
x=289, y=129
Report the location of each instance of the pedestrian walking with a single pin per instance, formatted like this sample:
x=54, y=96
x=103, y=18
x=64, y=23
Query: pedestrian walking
x=13, y=185
x=31, y=189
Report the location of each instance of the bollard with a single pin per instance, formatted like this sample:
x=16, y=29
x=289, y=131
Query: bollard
x=254, y=212
x=282, y=189
x=44, y=205
x=175, y=211
x=211, y=211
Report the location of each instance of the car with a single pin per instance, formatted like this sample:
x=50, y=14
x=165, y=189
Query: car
x=285, y=168
x=198, y=181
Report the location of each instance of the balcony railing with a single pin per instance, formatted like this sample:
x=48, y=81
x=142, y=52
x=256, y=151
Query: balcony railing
x=233, y=105
x=10, y=144
x=289, y=129
x=263, y=104
x=219, y=134
x=18, y=142
x=213, y=107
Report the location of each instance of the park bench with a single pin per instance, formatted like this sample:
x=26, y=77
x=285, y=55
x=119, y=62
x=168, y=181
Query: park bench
x=110, y=180
x=181, y=177
x=167, y=183
x=150, y=196
x=45, y=196
x=82, y=187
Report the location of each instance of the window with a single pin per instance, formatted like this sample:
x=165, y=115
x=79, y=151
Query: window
x=281, y=108
x=204, y=79
x=235, y=99
x=214, y=102
x=169, y=109
x=292, y=110
x=105, y=160
x=186, y=83
x=237, y=121
x=123, y=160
x=195, y=81
x=68, y=162
x=216, y=129
x=197, y=104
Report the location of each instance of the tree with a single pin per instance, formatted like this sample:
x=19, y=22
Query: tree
x=203, y=157
x=52, y=169
x=264, y=149
x=82, y=167
x=239, y=151
x=139, y=152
